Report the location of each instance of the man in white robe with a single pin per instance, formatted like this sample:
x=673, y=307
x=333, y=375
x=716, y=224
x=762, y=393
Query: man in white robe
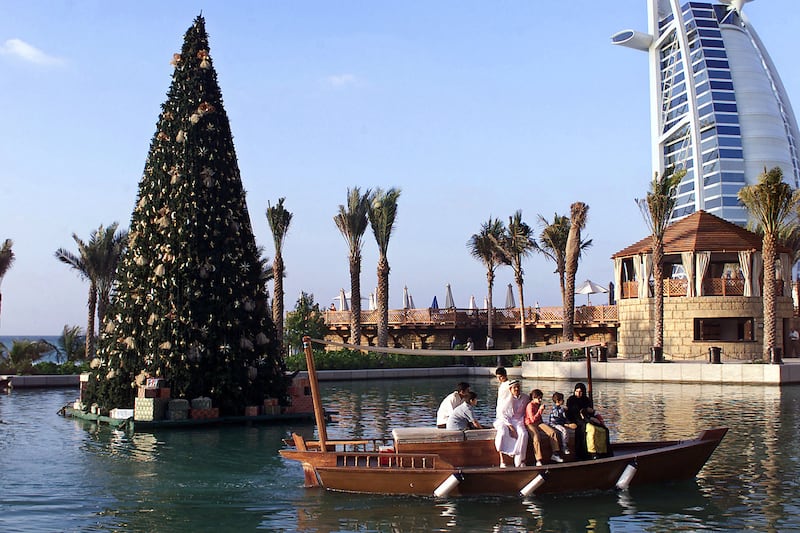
x=502, y=388
x=512, y=435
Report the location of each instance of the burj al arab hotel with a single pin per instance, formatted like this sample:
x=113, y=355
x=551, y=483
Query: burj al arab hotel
x=718, y=107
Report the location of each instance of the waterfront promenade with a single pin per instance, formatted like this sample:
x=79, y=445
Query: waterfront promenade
x=625, y=370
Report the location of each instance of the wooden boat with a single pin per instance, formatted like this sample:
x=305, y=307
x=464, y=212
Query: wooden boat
x=430, y=461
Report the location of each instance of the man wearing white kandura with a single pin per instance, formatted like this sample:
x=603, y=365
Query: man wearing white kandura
x=512, y=436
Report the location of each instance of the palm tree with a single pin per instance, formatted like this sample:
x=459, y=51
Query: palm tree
x=770, y=202
x=553, y=244
x=656, y=208
x=279, y=219
x=97, y=262
x=517, y=244
x=352, y=223
x=24, y=353
x=577, y=221
x=109, y=245
x=71, y=344
x=6, y=260
x=485, y=247
x=382, y=214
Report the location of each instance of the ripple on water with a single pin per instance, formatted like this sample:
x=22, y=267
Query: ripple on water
x=65, y=475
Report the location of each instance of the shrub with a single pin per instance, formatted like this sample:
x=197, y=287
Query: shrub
x=356, y=360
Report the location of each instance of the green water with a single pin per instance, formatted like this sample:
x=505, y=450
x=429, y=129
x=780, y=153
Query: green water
x=66, y=475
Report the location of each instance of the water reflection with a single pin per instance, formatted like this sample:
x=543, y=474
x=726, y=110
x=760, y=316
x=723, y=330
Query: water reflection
x=602, y=512
x=61, y=474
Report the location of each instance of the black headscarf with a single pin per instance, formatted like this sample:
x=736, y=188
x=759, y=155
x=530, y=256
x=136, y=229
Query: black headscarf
x=575, y=404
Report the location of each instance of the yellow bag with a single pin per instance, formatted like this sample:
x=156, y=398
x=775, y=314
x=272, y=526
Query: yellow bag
x=596, y=439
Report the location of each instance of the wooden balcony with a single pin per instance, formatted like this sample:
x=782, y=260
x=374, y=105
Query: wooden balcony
x=675, y=288
x=466, y=318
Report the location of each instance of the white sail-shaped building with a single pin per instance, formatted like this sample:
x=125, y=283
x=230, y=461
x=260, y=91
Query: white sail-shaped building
x=718, y=107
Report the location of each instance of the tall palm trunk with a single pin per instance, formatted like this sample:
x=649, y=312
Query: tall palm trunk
x=658, y=276
x=577, y=222
x=522, y=334
x=490, y=311
x=355, y=298
x=562, y=281
x=277, y=297
x=92, y=303
x=383, y=301
x=770, y=257
x=568, y=326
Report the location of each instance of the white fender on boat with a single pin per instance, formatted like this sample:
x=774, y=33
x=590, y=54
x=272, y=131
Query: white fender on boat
x=625, y=479
x=447, y=486
x=534, y=484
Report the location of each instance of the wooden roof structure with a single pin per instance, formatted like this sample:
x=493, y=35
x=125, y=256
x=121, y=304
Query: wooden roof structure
x=700, y=232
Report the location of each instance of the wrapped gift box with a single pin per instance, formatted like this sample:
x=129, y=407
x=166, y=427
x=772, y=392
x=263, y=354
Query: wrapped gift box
x=148, y=392
x=179, y=414
x=201, y=403
x=148, y=409
x=204, y=413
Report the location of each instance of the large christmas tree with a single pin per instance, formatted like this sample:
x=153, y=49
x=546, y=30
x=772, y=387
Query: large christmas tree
x=190, y=303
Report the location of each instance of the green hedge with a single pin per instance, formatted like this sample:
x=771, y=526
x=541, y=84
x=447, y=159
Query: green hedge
x=354, y=360
x=357, y=360
x=45, y=369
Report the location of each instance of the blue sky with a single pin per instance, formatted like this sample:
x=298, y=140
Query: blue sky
x=473, y=109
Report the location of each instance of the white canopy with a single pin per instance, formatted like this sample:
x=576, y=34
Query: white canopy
x=589, y=287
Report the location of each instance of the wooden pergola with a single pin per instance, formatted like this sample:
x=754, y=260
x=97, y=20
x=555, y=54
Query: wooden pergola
x=713, y=285
x=704, y=255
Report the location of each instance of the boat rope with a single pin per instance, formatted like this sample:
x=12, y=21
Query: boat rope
x=548, y=348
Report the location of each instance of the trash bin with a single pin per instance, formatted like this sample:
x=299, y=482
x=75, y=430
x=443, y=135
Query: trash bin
x=776, y=356
x=656, y=354
x=715, y=355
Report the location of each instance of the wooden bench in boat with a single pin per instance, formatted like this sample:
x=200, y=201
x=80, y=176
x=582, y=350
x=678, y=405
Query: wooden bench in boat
x=472, y=447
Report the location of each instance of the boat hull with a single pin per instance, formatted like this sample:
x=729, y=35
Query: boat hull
x=422, y=474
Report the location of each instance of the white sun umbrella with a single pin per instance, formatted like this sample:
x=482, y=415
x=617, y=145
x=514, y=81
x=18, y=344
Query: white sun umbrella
x=449, y=303
x=373, y=305
x=510, y=297
x=472, y=305
x=406, y=299
x=342, y=301
x=589, y=287
x=411, y=302
x=486, y=302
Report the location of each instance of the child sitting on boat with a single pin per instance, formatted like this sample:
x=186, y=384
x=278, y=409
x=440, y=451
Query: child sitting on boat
x=451, y=401
x=463, y=416
x=558, y=420
x=539, y=431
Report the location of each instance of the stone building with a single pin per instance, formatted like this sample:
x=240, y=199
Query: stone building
x=712, y=292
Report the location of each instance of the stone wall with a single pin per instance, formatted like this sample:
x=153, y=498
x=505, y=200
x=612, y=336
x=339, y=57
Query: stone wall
x=635, y=335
